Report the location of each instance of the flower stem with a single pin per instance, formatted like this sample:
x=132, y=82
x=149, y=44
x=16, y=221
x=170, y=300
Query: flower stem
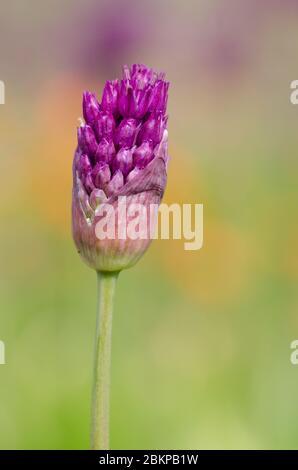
x=102, y=362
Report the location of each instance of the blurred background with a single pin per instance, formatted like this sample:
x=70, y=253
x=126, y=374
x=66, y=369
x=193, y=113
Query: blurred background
x=201, y=339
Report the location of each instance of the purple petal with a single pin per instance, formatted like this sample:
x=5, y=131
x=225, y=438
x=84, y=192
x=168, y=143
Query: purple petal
x=104, y=126
x=87, y=140
x=110, y=96
x=91, y=108
x=123, y=161
x=141, y=75
x=152, y=129
x=101, y=174
x=159, y=97
x=125, y=94
x=143, y=154
x=105, y=151
x=125, y=133
x=139, y=103
x=84, y=165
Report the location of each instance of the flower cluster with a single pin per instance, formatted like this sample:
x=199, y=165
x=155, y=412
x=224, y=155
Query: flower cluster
x=122, y=149
x=121, y=134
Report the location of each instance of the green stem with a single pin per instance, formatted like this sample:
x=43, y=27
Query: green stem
x=102, y=363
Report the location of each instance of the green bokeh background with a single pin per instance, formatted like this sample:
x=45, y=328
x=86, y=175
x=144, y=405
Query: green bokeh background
x=201, y=340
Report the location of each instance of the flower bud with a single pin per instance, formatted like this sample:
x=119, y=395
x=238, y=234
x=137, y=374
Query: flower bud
x=108, y=166
x=123, y=161
x=133, y=102
x=84, y=165
x=110, y=97
x=105, y=151
x=91, y=108
x=101, y=174
x=86, y=139
x=159, y=97
x=125, y=133
x=143, y=154
x=152, y=129
x=104, y=126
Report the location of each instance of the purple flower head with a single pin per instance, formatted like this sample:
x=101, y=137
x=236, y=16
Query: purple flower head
x=122, y=151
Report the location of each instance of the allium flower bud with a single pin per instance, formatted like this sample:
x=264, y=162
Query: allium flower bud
x=122, y=151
